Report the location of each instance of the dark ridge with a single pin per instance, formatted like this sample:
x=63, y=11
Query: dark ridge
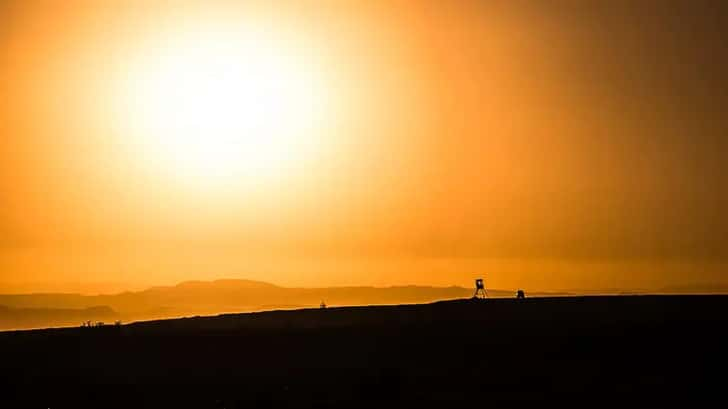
x=214, y=297
x=611, y=351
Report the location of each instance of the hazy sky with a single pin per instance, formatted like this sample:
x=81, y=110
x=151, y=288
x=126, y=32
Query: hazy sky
x=560, y=144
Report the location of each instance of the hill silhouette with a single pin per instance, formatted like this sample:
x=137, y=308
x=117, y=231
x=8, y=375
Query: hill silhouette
x=220, y=296
x=618, y=351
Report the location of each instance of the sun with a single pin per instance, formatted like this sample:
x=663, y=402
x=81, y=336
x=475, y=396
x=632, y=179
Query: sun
x=225, y=107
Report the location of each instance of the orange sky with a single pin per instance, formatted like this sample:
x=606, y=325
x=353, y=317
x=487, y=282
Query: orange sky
x=569, y=146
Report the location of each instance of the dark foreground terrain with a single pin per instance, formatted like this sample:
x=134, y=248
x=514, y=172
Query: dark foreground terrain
x=630, y=351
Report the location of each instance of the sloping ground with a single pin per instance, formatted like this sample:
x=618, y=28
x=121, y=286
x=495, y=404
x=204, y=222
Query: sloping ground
x=215, y=297
x=635, y=351
x=238, y=293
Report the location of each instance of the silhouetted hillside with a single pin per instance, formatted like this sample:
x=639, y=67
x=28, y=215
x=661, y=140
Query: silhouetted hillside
x=629, y=351
x=205, y=298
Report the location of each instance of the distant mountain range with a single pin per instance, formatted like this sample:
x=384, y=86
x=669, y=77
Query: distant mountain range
x=205, y=298
x=20, y=318
x=190, y=298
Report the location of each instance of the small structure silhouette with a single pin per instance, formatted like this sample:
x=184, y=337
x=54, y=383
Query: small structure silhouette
x=91, y=324
x=520, y=294
x=480, y=291
x=322, y=305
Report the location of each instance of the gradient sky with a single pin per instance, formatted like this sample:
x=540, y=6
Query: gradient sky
x=544, y=145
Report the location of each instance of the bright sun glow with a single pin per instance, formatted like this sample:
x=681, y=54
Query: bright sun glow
x=226, y=106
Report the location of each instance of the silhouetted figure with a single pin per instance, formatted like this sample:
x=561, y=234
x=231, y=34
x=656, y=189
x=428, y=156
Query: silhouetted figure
x=322, y=305
x=520, y=294
x=480, y=291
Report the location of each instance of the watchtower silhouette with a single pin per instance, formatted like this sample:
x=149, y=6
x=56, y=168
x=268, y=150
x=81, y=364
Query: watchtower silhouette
x=480, y=291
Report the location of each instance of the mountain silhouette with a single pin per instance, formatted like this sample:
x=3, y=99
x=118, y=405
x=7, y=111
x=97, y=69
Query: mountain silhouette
x=219, y=296
x=23, y=318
